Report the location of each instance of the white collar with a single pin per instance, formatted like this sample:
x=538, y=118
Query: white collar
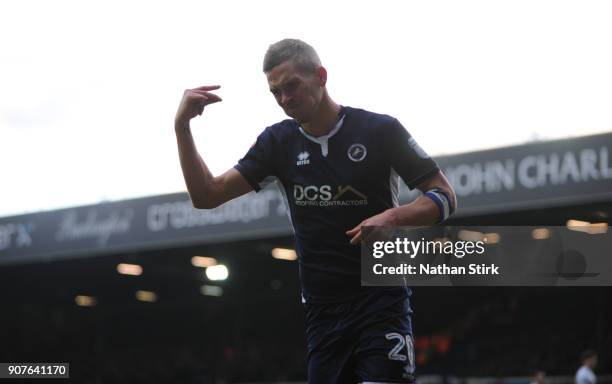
x=322, y=140
x=316, y=139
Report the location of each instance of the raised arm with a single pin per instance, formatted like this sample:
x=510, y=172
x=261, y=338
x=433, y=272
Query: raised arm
x=205, y=190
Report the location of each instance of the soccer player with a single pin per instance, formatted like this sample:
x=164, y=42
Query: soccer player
x=339, y=169
x=539, y=377
x=585, y=374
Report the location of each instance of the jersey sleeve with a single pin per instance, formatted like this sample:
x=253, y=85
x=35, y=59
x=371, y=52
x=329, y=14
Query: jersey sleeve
x=404, y=155
x=258, y=162
x=583, y=377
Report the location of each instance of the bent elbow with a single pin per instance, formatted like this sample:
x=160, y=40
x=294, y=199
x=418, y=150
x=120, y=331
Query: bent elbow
x=197, y=204
x=203, y=204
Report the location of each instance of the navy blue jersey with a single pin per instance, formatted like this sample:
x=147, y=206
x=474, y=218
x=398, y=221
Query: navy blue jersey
x=332, y=183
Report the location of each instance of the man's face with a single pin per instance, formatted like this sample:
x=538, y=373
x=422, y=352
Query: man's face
x=296, y=92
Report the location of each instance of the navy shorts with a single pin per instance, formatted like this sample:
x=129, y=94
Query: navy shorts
x=367, y=340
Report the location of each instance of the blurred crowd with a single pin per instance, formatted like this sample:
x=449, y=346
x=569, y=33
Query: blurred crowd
x=458, y=331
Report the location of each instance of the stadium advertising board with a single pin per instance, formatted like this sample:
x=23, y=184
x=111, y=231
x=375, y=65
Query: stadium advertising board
x=139, y=224
x=537, y=175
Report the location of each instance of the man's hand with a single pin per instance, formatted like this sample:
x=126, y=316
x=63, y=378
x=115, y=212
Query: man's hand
x=193, y=103
x=382, y=219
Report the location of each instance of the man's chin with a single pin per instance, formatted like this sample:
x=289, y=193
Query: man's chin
x=297, y=117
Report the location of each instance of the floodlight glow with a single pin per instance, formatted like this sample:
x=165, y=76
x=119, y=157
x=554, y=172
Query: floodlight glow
x=203, y=261
x=85, y=301
x=284, y=254
x=586, y=227
x=467, y=235
x=147, y=296
x=598, y=228
x=217, y=272
x=540, y=233
x=491, y=238
x=129, y=269
x=577, y=225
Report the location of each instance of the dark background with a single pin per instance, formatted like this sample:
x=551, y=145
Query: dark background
x=255, y=330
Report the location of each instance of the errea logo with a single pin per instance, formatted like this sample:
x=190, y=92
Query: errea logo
x=303, y=158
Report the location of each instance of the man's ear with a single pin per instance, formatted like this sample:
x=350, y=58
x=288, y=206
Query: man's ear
x=322, y=72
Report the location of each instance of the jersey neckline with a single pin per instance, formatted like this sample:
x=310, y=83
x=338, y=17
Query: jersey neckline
x=323, y=140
